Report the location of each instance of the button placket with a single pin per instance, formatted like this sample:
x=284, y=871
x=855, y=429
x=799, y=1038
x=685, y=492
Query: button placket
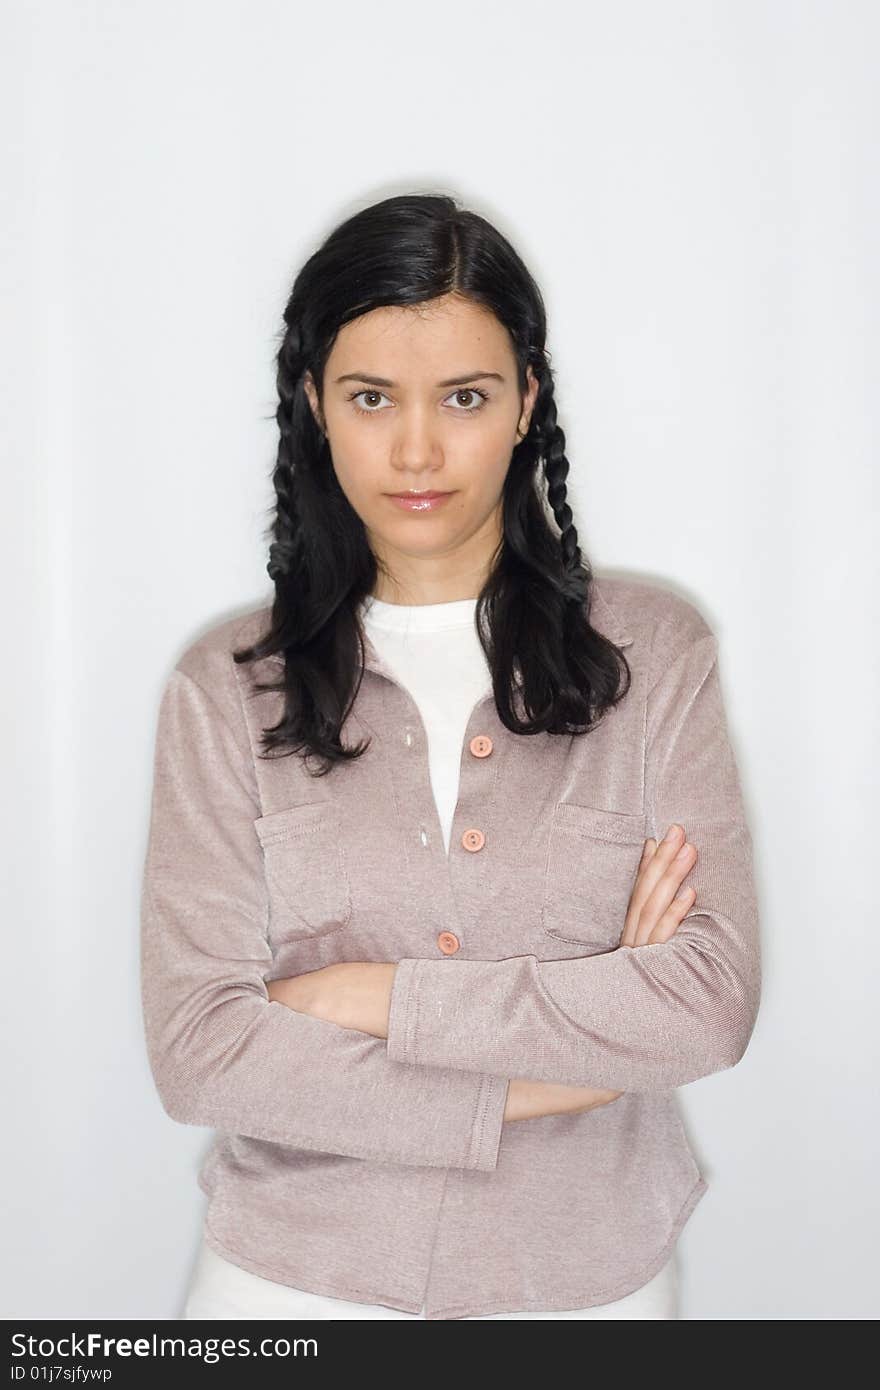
x=414, y=793
x=475, y=812
x=427, y=860
x=473, y=839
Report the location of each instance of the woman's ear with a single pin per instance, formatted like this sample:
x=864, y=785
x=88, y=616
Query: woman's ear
x=525, y=418
x=312, y=394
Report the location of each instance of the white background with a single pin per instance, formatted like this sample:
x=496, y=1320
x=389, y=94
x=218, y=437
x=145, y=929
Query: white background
x=694, y=186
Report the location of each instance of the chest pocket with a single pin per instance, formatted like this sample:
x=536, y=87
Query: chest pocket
x=306, y=872
x=592, y=862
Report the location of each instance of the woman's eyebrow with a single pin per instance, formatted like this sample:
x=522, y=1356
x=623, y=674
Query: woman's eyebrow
x=451, y=381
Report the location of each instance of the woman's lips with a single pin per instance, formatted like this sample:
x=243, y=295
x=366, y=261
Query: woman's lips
x=420, y=502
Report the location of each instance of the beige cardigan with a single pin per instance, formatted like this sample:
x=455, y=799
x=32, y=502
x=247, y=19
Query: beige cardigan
x=381, y=1170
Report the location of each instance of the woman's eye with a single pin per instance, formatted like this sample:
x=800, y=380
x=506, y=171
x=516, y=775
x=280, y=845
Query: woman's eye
x=366, y=393
x=475, y=394
x=469, y=391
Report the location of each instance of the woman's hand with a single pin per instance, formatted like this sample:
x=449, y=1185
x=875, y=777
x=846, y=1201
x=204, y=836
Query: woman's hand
x=353, y=994
x=653, y=915
x=656, y=907
x=528, y=1100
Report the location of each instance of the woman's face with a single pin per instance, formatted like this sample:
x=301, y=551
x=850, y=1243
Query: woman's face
x=425, y=399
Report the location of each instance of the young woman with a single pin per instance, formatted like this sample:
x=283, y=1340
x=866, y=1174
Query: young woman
x=449, y=883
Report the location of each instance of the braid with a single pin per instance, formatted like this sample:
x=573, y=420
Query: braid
x=285, y=529
x=550, y=438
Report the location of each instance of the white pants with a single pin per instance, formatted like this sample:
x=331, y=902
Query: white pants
x=220, y=1289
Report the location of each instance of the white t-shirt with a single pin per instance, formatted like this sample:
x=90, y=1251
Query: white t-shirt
x=433, y=649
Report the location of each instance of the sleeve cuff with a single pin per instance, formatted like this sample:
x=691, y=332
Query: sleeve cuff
x=402, y=1012
x=445, y=1013
x=488, y=1121
x=402, y=1046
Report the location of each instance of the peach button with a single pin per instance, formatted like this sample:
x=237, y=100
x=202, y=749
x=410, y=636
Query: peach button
x=481, y=746
x=473, y=840
x=448, y=942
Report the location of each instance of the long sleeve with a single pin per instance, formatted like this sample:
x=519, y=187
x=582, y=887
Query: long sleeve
x=223, y=1054
x=635, y=1018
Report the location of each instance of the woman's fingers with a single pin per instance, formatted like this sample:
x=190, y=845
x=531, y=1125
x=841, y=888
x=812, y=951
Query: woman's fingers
x=665, y=906
x=671, y=919
x=656, y=906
